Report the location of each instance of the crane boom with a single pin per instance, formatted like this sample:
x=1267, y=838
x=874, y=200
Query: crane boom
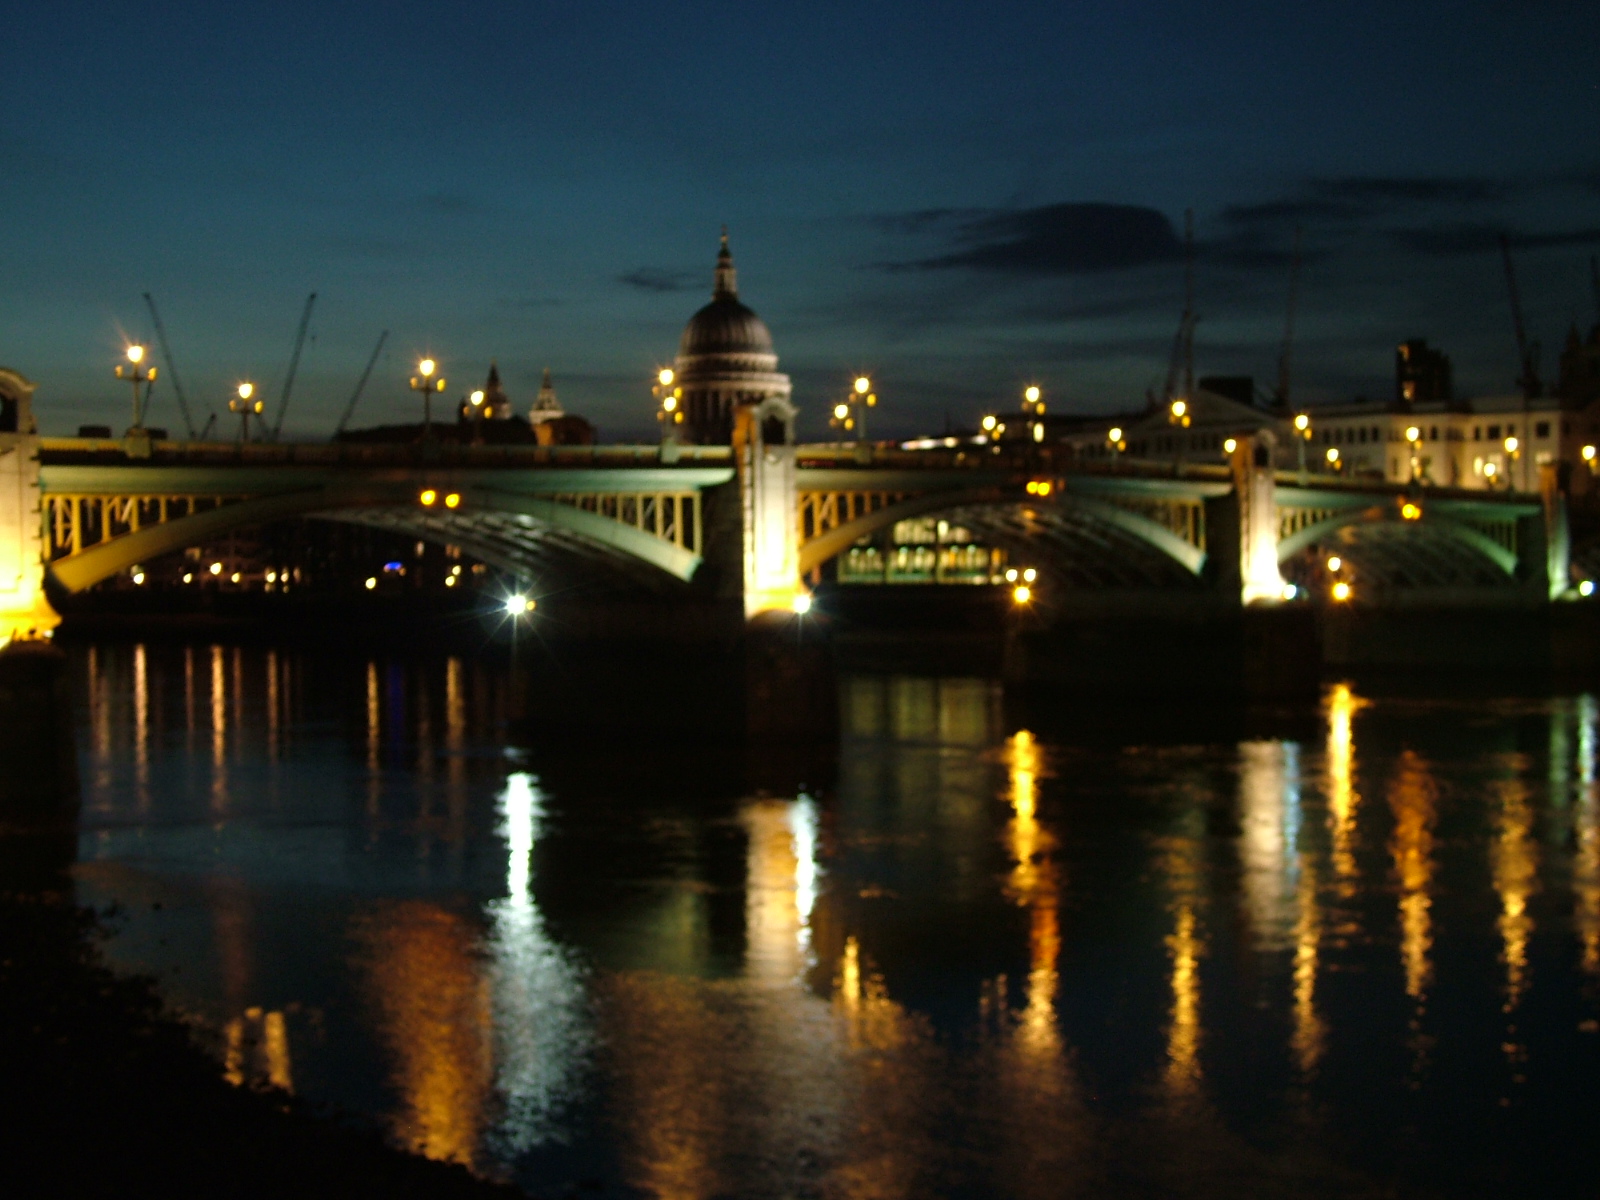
x=1529, y=381
x=294, y=365
x=172, y=367
x=350, y=408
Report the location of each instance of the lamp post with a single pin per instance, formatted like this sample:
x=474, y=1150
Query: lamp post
x=245, y=404
x=424, y=382
x=1414, y=440
x=850, y=414
x=1033, y=406
x=1115, y=439
x=1513, y=452
x=669, y=399
x=136, y=373
x=1333, y=459
x=1302, y=429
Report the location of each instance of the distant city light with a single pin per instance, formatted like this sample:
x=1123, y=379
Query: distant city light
x=1029, y=575
x=1413, y=434
x=449, y=581
x=1032, y=394
x=1586, y=588
x=393, y=566
x=235, y=577
x=1334, y=562
x=476, y=398
x=1038, y=433
x=1341, y=591
x=135, y=353
x=427, y=367
x=1229, y=445
x=1116, y=433
x=670, y=403
x=1333, y=455
x=863, y=385
x=1489, y=469
x=1022, y=593
x=841, y=411
x=801, y=603
x=1179, y=407
x=246, y=390
x=518, y=604
x=1290, y=591
x=665, y=377
x=1511, y=445
x=1588, y=454
x=188, y=576
x=216, y=568
x=1302, y=423
x=1410, y=511
x=988, y=422
x=428, y=496
x=1011, y=575
x=452, y=500
x=138, y=578
x=371, y=583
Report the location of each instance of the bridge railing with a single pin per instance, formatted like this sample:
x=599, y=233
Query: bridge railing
x=108, y=451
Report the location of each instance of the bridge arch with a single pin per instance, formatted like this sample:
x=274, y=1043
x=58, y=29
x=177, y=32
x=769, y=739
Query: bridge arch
x=585, y=533
x=1139, y=529
x=1430, y=525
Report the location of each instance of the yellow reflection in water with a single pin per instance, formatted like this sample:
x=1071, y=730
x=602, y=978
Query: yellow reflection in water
x=1515, y=862
x=1180, y=864
x=141, y=726
x=433, y=1008
x=1034, y=884
x=219, y=732
x=1343, y=798
x=1413, y=798
x=1310, y=1032
x=256, y=1047
x=272, y=706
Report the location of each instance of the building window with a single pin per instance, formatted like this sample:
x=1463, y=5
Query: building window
x=1363, y=435
x=1494, y=432
x=1542, y=429
x=1477, y=434
x=1433, y=433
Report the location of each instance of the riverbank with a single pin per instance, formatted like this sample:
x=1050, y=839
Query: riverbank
x=107, y=1093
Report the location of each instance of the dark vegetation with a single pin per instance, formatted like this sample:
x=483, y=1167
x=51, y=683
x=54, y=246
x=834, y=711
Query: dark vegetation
x=105, y=1094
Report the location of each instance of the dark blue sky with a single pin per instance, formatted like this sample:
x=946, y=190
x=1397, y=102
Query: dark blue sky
x=960, y=198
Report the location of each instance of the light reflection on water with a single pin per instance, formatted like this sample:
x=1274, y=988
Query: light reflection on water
x=992, y=957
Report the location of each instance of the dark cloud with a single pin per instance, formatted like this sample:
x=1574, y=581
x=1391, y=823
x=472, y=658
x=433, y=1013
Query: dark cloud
x=1275, y=212
x=1376, y=191
x=1447, y=240
x=925, y=219
x=652, y=279
x=1056, y=239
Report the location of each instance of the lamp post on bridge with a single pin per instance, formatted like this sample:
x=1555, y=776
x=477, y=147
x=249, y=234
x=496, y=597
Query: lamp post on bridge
x=1302, y=430
x=136, y=373
x=850, y=414
x=245, y=405
x=424, y=382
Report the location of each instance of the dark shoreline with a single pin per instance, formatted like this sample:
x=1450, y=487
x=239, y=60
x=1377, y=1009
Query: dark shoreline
x=108, y=1094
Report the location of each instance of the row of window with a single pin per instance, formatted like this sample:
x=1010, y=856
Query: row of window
x=1335, y=436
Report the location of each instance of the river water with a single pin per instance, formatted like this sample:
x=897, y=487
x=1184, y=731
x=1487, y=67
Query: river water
x=1348, y=950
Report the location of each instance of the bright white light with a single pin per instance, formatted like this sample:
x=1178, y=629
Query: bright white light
x=803, y=827
x=1116, y=433
x=1290, y=591
x=1011, y=575
x=371, y=583
x=216, y=568
x=272, y=577
x=1029, y=575
x=476, y=398
x=1586, y=588
x=517, y=605
x=1230, y=445
x=802, y=603
x=188, y=577
x=135, y=354
x=138, y=577
x=234, y=578
x=1038, y=433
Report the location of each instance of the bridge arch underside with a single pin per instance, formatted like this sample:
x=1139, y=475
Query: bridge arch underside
x=541, y=554
x=533, y=538
x=1389, y=557
x=1078, y=546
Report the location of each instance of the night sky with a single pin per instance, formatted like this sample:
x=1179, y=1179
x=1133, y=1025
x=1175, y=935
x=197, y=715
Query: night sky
x=959, y=198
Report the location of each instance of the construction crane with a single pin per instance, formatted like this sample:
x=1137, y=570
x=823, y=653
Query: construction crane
x=294, y=365
x=1286, y=356
x=1182, y=357
x=1527, y=351
x=172, y=367
x=361, y=385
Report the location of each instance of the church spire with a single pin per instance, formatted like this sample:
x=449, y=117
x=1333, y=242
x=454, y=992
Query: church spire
x=727, y=285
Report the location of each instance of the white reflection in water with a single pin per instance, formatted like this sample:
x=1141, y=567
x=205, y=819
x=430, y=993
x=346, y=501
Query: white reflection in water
x=1586, y=865
x=1269, y=805
x=803, y=827
x=540, y=1013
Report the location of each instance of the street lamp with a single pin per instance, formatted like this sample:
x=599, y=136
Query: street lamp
x=136, y=373
x=1302, y=429
x=1179, y=413
x=245, y=404
x=1512, y=452
x=669, y=400
x=424, y=382
x=1114, y=436
x=850, y=413
x=1414, y=440
x=1033, y=406
x=1333, y=458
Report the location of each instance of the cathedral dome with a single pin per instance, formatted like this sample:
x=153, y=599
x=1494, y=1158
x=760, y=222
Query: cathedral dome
x=725, y=326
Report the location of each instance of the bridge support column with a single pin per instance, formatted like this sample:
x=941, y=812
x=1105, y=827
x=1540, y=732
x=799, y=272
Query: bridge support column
x=764, y=452
x=25, y=613
x=1251, y=515
x=1557, y=531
